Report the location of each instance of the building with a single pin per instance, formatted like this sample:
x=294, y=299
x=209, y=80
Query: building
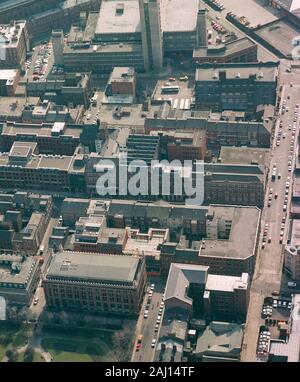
x=220, y=342
x=12, y=108
x=292, y=252
x=222, y=129
x=236, y=86
x=288, y=8
x=288, y=350
x=9, y=80
x=15, y=44
x=23, y=9
x=151, y=31
x=71, y=89
x=133, y=33
x=190, y=289
x=241, y=50
x=93, y=282
x=201, y=28
x=24, y=219
x=170, y=345
x=60, y=16
x=57, y=38
x=19, y=278
x=146, y=244
x=234, y=184
x=56, y=138
x=182, y=145
x=219, y=246
x=41, y=172
x=143, y=147
x=121, y=86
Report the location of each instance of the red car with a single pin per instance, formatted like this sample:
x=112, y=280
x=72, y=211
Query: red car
x=138, y=346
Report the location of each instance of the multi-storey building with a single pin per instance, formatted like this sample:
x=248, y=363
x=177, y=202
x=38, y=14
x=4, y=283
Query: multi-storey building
x=236, y=86
x=56, y=138
x=193, y=289
x=241, y=50
x=224, y=247
x=15, y=35
x=9, y=80
x=95, y=282
x=19, y=278
x=41, y=172
x=222, y=129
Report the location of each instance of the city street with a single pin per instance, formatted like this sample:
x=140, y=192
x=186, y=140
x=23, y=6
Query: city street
x=146, y=326
x=268, y=273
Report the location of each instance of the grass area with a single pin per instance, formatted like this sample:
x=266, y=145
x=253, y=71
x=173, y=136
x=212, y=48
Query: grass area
x=36, y=357
x=77, y=344
x=66, y=350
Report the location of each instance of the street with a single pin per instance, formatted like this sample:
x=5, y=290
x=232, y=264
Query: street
x=268, y=272
x=146, y=326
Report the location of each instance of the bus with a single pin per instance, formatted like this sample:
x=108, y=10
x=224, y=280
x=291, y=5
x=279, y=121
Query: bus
x=170, y=89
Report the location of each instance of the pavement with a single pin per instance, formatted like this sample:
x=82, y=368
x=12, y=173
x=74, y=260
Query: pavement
x=269, y=264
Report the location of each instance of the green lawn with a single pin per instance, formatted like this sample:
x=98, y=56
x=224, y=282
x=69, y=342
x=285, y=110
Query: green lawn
x=67, y=350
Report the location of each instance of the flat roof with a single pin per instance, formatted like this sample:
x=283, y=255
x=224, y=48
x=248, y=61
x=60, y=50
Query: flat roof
x=110, y=21
x=11, y=34
x=211, y=72
x=243, y=234
x=26, y=269
x=93, y=267
x=178, y=15
x=224, y=50
x=226, y=283
x=41, y=130
x=291, y=348
x=244, y=155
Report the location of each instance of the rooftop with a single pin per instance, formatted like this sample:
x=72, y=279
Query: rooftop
x=224, y=50
x=117, y=16
x=220, y=339
x=17, y=273
x=179, y=15
x=10, y=34
x=291, y=349
x=244, y=155
x=180, y=277
x=243, y=234
x=262, y=72
x=76, y=266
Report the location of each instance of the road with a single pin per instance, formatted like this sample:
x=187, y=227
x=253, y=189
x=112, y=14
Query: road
x=146, y=326
x=268, y=272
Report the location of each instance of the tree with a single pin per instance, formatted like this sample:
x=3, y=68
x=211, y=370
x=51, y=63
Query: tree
x=121, y=344
x=12, y=355
x=29, y=354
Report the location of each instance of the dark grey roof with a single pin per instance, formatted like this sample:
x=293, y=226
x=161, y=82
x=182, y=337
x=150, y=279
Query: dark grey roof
x=93, y=267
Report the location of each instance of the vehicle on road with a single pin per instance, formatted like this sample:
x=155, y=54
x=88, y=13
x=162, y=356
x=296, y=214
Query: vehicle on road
x=146, y=313
x=291, y=284
x=35, y=301
x=153, y=343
